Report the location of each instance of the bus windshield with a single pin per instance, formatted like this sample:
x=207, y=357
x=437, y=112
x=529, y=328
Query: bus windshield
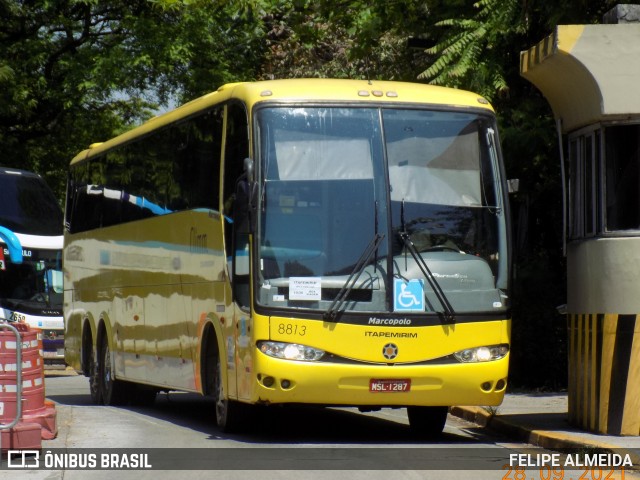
x=28, y=205
x=422, y=182
x=34, y=284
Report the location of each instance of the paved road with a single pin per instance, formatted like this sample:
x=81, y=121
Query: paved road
x=300, y=443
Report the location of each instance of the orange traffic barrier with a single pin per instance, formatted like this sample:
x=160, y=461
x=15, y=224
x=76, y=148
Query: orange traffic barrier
x=38, y=417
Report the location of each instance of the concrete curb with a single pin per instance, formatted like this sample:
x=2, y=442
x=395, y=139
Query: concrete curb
x=529, y=434
x=57, y=371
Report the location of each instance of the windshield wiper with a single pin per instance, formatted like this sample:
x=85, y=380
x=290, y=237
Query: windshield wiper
x=448, y=312
x=333, y=310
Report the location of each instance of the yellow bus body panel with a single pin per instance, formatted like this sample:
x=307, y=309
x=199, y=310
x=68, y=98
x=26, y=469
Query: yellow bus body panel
x=151, y=288
x=366, y=342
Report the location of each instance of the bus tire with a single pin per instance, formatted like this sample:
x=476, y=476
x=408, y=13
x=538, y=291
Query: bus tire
x=427, y=422
x=230, y=414
x=94, y=378
x=114, y=392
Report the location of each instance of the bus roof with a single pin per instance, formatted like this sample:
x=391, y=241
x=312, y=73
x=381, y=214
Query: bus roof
x=301, y=90
x=17, y=172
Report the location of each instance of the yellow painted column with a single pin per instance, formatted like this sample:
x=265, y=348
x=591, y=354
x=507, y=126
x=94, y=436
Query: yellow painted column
x=604, y=373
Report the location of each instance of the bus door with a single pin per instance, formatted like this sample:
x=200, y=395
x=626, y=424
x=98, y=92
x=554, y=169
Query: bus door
x=239, y=265
x=237, y=236
x=242, y=317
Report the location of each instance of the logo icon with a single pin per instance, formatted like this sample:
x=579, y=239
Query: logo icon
x=390, y=351
x=23, y=458
x=408, y=296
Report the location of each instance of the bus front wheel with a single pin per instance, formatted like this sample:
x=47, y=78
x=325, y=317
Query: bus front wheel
x=229, y=415
x=427, y=421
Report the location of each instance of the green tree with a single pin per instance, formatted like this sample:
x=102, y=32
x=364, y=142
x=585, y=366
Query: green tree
x=478, y=47
x=73, y=72
x=471, y=55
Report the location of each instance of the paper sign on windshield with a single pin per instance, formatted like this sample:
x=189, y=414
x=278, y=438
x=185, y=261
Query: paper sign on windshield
x=305, y=288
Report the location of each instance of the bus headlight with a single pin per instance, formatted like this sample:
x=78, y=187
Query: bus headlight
x=290, y=351
x=482, y=354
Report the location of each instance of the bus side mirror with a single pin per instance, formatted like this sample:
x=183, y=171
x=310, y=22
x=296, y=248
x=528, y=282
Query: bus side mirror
x=246, y=197
x=249, y=170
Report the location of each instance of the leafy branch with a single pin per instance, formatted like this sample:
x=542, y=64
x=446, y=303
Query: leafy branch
x=467, y=54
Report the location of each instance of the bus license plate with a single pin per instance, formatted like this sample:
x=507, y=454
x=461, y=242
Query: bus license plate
x=389, y=385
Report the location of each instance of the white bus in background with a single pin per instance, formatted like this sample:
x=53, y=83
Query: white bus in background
x=31, y=282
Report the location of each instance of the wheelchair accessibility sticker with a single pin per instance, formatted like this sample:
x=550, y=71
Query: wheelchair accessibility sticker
x=408, y=296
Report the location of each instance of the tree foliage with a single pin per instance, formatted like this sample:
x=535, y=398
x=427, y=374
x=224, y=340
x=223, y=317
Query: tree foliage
x=342, y=39
x=470, y=55
x=73, y=72
x=478, y=46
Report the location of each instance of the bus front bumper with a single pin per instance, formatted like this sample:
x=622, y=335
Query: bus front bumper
x=324, y=383
x=53, y=346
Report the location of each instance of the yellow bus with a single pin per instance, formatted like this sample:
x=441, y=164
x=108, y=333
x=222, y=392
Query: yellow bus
x=305, y=241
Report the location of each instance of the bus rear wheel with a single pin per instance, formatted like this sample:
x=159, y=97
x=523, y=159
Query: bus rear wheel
x=427, y=422
x=90, y=365
x=94, y=378
x=113, y=391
